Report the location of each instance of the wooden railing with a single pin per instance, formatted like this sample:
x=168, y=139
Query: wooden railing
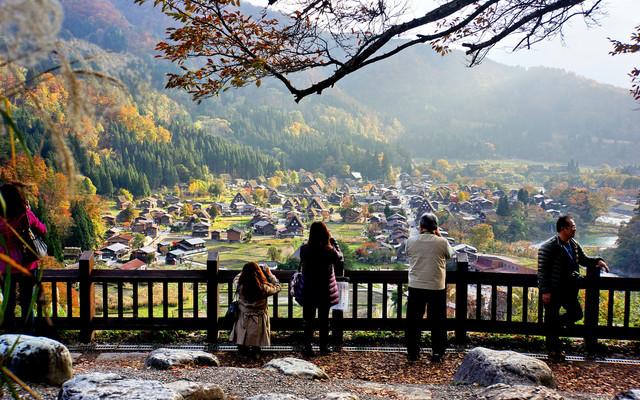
x=88, y=299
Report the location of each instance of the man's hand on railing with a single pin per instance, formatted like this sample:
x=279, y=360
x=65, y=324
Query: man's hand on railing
x=603, y=266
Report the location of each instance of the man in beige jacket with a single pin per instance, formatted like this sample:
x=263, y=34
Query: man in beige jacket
x=427, y=253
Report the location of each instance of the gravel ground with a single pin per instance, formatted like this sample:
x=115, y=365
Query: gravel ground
x=249, y=380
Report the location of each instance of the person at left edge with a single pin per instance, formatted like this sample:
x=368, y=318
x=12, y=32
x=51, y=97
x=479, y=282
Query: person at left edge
x=17, y=215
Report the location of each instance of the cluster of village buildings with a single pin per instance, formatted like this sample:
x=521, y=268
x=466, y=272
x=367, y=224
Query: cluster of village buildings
x=379, y=206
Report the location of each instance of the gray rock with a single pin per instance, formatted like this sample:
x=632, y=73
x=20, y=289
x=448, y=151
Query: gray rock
x=114, y=387
x=197, y=390
x=336, y=396
x=296, y=367
x=37, y=359
x=487, y=367
x=500, y=391
x=167, y=358
x=633, y=394
x=275, y=396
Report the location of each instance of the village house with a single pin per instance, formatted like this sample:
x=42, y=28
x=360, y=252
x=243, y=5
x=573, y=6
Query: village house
x=122, y=239
x=200, y=230
x=251, y=185
x=293, y=226
x=240, y=197
x=172, y=200
x=336, y=198
x=140, y=226
x=175, y=208
x=163, y=218
x=132, y=265
x=235, y=235
x=71, y=253
x=500, y=264
x=175, y=256
x=115, y=251
x=192, y=245
x=275, y=198
x=148, y=203
x=316, y=204
x=291, y=204
x=216, y=235
x=109, y=220
x=226, y=178
x=164, y=247
x=264, y=228
x=353, y=215
x=111, y=232
x=144, y=253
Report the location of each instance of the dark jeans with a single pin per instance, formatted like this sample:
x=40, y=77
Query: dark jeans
x=312, y=324
x=25, y=284
x=556, y=322
x=435, y=303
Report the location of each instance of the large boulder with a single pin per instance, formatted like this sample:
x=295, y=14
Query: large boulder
x=114, y=387
x=296, y=367
x=37, y=359
x=500, y=391
x=633, y=394
x=487, y=367
x=167, y=358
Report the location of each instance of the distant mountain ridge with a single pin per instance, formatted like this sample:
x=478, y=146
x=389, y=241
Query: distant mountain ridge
x=434, y=106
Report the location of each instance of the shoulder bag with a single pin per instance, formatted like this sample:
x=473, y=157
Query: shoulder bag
x=33, y=246
x=233, y=312
x=295, y=286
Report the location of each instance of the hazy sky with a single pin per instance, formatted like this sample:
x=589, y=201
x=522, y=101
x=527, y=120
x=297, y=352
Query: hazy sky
x=586, y=50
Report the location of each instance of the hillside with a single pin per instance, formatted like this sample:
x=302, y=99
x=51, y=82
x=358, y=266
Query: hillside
x=435, y=106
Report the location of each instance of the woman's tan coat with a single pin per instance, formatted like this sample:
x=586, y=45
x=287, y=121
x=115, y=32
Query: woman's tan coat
x=252, y=327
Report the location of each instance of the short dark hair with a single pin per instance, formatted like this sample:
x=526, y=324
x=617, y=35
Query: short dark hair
x=563, y=222
x=429, y=221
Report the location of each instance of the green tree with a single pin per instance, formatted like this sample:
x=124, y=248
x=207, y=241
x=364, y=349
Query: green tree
x=274, y=253
x=138, y=240
x=481, y=236
x=127, y=195
x=348, y=253
x=503, y=207
x=82, y=233
x=130, y=213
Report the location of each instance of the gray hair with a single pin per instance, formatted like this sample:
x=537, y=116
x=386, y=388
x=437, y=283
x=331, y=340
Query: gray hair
x=429, y=221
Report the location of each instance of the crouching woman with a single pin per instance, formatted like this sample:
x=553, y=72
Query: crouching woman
x=253, y=286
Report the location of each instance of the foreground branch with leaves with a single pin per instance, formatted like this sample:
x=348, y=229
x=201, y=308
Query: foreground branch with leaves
x=233, y=48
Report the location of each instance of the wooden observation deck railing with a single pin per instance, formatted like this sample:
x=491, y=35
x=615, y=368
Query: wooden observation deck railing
x=89, y=299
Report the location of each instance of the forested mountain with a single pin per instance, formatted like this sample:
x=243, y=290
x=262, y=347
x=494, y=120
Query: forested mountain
x=415, y=104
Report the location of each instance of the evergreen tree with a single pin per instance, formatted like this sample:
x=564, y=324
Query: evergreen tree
x=503, y=207
x=82, y=233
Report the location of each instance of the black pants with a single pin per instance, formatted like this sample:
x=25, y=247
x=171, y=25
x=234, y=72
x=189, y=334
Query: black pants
x=435, y=303
x=312, y=324
x=556, y=322
x=25, y=284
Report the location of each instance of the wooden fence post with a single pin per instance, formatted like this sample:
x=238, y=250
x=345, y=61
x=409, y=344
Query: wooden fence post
x=591, y=310
x=462, y=267
x=87, y=297
x=213, y=301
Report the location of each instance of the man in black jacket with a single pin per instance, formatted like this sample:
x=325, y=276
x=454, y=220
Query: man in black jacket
x=559, y=259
